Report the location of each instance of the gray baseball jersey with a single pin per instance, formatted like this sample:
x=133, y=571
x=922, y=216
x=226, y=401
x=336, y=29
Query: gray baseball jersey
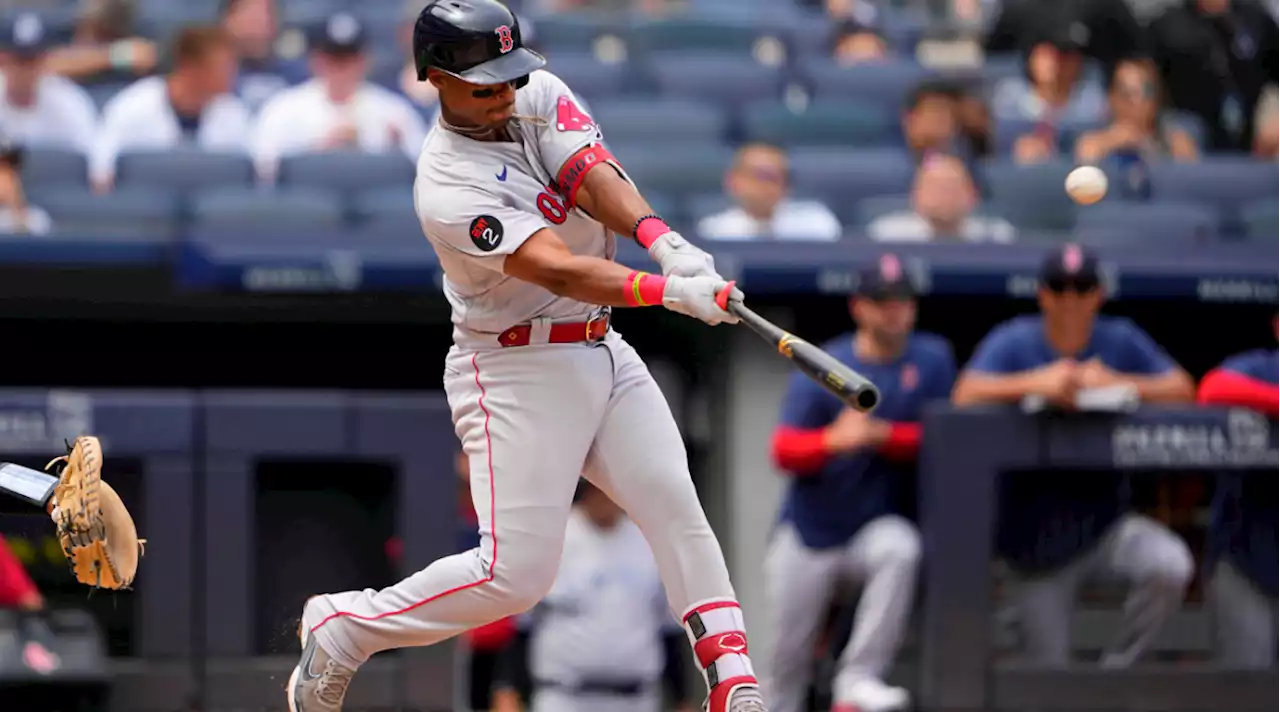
x=478, y=201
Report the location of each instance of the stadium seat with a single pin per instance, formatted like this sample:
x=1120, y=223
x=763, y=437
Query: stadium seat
x=383, y=203
x=588, y=76
x=183, y=169
x=1031, y=197
x=666, y=121
x=126, y=213
x=869, y=209
x=1261, y=221
x=1008, y=132
x=887, y=84
x=288, y=212
x=842, y=177
x=821, y=123
x=568, y=31
x=1228, y=183
x=677, y=170
x=706, y=34
x=728, y=79
x=346, y=171
x=54, y=166
x=1120, y=221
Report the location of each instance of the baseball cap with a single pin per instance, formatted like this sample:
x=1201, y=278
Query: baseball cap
x=341, y=33
x=885, y=280
x=1070, y=264
x=26, y=35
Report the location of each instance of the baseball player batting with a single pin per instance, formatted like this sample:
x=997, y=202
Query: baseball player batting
x=520, y=199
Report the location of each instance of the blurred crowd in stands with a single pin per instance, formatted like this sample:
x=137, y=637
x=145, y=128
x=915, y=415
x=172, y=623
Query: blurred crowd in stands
x=880, y=117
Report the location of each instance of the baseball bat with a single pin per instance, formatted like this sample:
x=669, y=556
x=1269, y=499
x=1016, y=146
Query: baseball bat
x=845, y=383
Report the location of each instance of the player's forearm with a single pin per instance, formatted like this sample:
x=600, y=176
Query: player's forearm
x=975, y=389
x=1174, y=387
x=1222, y=387
x=597, y=281
x=612, y=200
x=79, y=62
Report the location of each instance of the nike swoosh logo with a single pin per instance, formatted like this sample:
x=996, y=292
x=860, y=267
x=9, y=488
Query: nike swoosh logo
x=502, y=177
x=308, y=656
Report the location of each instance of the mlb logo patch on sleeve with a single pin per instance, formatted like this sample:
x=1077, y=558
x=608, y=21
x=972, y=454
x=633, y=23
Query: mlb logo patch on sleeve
x=569, y=117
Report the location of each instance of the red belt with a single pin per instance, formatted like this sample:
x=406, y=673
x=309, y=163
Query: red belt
x=564, y=333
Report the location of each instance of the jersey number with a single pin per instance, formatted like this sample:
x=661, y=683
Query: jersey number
x=505, y=42
x=552, y=209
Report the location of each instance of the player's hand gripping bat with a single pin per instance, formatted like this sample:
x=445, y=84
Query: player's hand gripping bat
x=846, y=384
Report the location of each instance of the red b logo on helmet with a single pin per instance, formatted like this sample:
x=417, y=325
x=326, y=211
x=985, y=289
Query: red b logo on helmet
x=505, y=41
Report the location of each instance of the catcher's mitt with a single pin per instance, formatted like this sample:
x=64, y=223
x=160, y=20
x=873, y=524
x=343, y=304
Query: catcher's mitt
x=97, y=534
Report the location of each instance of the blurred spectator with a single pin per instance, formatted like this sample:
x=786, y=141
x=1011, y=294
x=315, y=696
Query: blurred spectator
x=603, y=639
x=943, y=200
x=338, y=108
x=857, y=44
x=1242, y=554
x=652, y=8
x=37, y=108
x=254, y=26
x=1053, y=89
x=757, y=181
x=16, y=216
x=1266, y=140
x=17, y=591
x=105, y=43
x=1216, y=57
x=422, y=94
x=1058, y=532
x=1106, y=29
x=847, y=517
x=191, y=105
x=1139, y=129
x=941, y=117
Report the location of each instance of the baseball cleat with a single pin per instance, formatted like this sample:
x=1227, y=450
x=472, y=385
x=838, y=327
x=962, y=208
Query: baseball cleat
x=743, y=699
x=871, y=695
x=319, y=683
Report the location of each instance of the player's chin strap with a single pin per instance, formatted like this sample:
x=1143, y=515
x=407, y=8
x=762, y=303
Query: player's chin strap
x=718, y=634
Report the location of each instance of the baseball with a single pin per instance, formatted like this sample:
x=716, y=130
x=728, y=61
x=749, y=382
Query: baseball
x=1087, y=185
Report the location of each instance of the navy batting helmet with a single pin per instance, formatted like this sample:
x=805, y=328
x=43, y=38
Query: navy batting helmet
x=477, y=41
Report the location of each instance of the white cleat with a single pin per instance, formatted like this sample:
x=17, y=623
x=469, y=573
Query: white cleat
x=743, y=699
x=319, y=683
x=871, y=695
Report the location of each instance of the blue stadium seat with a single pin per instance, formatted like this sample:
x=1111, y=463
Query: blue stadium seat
x=842, y=177
x=1031, y=197
x=290, y=211
x=821, y=123
x=869, y=209
x=383, y=203
x=568, y=31
x=1119, y=221
x=1225, y=182
x=677, y=170
x=183, y=169
x=728, y=79
x=588, y=76
x=699, y=33
x=126, y=213
x=1261, y=220
x=54, y=166
x=1008, y=132
x=666, y=121
x=887, y=84
x=346, y=171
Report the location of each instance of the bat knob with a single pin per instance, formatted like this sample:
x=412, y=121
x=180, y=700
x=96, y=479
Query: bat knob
x=866, y=399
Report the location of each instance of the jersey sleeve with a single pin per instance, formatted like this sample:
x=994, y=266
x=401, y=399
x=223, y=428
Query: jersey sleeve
x=806, y=406
x=473, y=222
x=569, y=141
x=1258, y=365
x=995, y=354
x=1142, y=354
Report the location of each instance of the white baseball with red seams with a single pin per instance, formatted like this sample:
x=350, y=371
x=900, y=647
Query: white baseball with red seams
x=532, y=418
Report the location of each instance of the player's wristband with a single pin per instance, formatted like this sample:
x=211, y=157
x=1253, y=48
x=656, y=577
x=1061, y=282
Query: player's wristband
x=120, y=55
x=648, y=229
x=643, y=289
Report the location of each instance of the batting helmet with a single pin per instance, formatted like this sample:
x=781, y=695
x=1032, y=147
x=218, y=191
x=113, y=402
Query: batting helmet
x=477, y=41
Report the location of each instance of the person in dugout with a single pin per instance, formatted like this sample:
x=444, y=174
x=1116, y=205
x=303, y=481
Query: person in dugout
x=1060, y=530
x=1241, y=556
x=847, y=515
x=604, y=638
x=19, y=593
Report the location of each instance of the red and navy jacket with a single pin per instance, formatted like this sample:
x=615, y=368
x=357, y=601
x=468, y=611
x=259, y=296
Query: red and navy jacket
x=1243, y=529
x=830, y=497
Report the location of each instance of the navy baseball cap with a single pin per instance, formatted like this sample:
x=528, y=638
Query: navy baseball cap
x=342, y=33
x=26, y=35
x=886, y=280
x=1070, y=264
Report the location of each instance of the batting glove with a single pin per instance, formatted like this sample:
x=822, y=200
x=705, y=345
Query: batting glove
x=701, y=298
x=680, y=259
